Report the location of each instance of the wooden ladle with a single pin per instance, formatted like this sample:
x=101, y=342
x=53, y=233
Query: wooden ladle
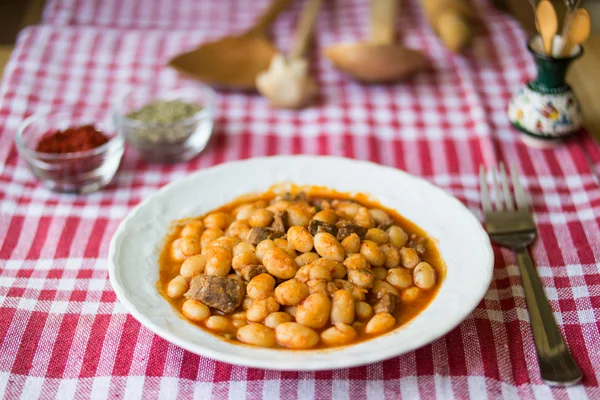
x=547, y=24
x=380, y=60
x=234, y=61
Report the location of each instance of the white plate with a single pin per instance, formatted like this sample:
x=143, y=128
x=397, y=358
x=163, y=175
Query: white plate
x=464, y=246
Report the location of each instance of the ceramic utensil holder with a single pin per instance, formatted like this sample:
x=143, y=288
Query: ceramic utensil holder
x=546, y=108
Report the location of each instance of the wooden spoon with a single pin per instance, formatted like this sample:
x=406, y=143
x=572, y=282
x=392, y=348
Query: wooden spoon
x=578, y=32
x=233, y=61
x=287, y=83
x=380, y=60
x=547, y=24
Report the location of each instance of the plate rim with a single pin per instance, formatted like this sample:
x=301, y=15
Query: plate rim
x=291, y=365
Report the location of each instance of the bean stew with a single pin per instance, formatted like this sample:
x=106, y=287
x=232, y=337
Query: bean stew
x=303, y=268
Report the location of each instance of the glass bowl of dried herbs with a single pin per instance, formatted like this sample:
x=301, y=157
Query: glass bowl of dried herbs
x=166, y=126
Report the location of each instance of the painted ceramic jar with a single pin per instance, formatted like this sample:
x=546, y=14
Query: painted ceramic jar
x=546, y=108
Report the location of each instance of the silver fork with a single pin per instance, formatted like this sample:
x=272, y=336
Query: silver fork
x=513, y=227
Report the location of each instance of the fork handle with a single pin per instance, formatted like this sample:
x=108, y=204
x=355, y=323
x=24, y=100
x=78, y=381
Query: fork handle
x=557, y=366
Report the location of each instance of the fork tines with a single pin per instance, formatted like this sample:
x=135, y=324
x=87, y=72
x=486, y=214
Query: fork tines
x=520, y=196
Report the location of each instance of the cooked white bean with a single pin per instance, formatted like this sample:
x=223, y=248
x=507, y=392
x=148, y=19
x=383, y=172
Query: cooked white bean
x=313, y=271
x=239, y=229
x=176, y=254
x=260, y=309
x=239, y=315
x=351, y=243
x=193, y=266
x=300, y=239
x=190, y=245
x=261, y=287
x=219, y=220
x=382, y=287
x=257, y=335
x=238, y=323
x=177, y=287
x=400, y=278
x=328, y=246
x=218, y=261
x=377, y=235
x=379, y=216
x=296, y=336
x=285, y=245
x=261, y=218
x=244, y=211
x=247, y=302
x=298, y=214
x=380, y=273
x=371, y=251
x=314, y=310
x=279, y=263
x=380, y=323
x=349, y=208
x=228, y=242
x=241, y=260
x=209, y=235
x=356, y=261
x=279, y=206
x=277, y=318
x=424, y=275
x=363, y=218
x=363, y=310
x=217, y=323
x=306, y=258
x=291, y=292
x=195, y=310
x=262, y=248
x=291, y=310
x=338, y=335
x=243, y=247
x=396, y=236
x=328, y=216
x=392, y=255
x=192, y=228
x=409, y=257
x=317, y=286
x=342, y=307
x=361, y=277
x=410, y=295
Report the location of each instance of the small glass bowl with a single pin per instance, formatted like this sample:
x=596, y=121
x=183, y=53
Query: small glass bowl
x=78, y=172
x=167, y=142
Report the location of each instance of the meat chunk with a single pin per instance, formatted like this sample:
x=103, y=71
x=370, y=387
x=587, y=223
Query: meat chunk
x=278, y=226
x=387, y=303
x=223, y=294
x=247, y=272
x=348, y=229
x=257, y=235
x=419, y=243
x=315, y=226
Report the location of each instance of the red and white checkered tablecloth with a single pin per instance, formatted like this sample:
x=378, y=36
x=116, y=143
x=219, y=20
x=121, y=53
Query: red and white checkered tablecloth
x=63, y=334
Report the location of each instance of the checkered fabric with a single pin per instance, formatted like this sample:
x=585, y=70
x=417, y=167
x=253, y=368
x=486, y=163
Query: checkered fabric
x=63, y=334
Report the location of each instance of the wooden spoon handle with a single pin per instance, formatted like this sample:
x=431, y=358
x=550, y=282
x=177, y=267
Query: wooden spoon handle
x=383, y=16
x=305, y=26
x=261, y=26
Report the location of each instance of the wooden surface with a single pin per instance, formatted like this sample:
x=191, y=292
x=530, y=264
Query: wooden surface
x=584, y=75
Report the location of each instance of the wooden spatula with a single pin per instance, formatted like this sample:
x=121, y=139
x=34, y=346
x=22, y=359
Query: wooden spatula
x=234, y=61
x=547, y=24
x=578, y=32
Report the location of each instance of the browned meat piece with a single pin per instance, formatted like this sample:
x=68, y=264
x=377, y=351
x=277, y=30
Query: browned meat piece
x=223, y=294
x=315, y=226
x=387, y=303
x=419, y=243
x=320, y=203
x=257, y=235
x=278, y=225
x=348, y=229
x=250, y=271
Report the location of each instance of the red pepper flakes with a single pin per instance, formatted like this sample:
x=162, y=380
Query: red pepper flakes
x=72, y=140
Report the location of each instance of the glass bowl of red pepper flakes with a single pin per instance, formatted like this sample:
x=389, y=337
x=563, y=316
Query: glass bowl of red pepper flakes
x=70, y=152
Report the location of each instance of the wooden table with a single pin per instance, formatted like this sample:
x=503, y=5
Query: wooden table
x=583, y=76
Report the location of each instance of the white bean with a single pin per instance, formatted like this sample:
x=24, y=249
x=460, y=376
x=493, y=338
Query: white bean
x=410, y=295
x=279, y=263
x=218, y=261
x=314, y=311
x=363, y=310
x=361, y=277
x=380, y=273
x=338, y=335
x=409, y=257
x=380, y=323
x=424, y=275
x=377, y=235
x=261, y=287
x=260, y=218
x=396, y=236
x=342, y=307
x=291, y=292
x=217, y=323
x=392, y=255
x=243, y=247
x=260, y=309
x=306, y=258
x=351, y=243
x=277, y=318
x=328, y=246
x=177, y=287
x=193, y=266
x=296, y=336
x=371, y=251
x=400, y=278
x=328, y=216
x=356, y=261
x=218, y=219
x=257, y=335
x=192, y=228
x=195, y=310
x=382, y=287
x=300, y=239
